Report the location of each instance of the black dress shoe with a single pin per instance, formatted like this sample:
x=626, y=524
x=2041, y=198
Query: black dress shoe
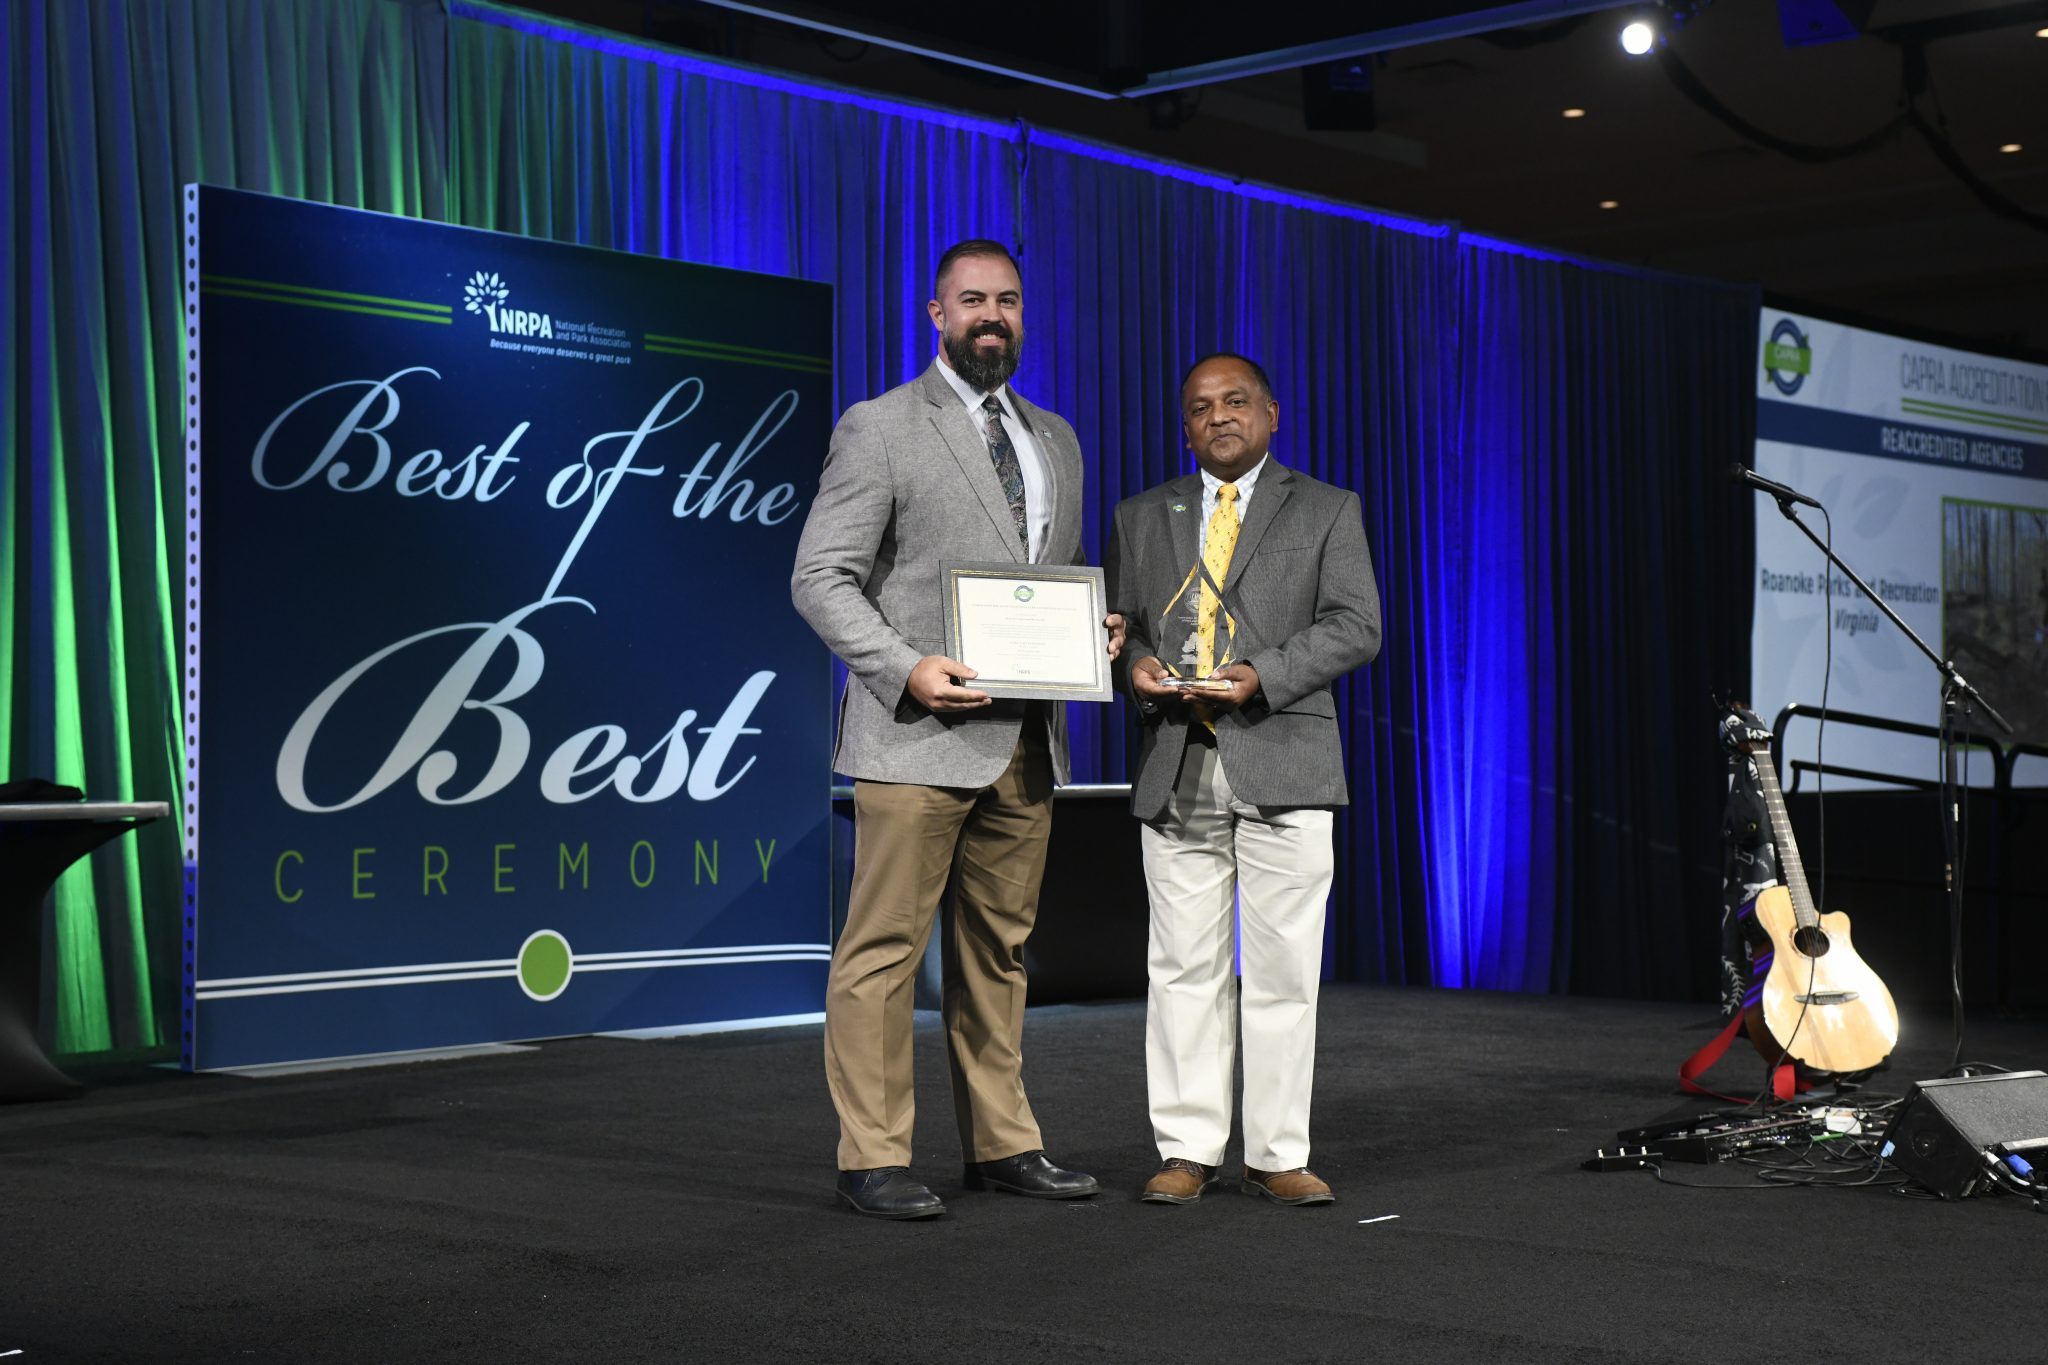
x=1030, y=1173
x=888, y=1192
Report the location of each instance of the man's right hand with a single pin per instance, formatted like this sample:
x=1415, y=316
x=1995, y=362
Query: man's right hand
x=931, y=685
x=1148, y=680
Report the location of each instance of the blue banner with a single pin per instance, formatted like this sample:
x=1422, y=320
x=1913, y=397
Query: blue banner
x=1821, y=429
x=499, y=721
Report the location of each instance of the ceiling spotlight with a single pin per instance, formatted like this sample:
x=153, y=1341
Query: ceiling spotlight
x=1610, y=203
x=2010, y=147
x=2041, y=33
x=1638, y=38
x=1574, y=113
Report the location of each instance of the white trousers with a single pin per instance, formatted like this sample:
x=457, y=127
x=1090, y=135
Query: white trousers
x=1208, y=847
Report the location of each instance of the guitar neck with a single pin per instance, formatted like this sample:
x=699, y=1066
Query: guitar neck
x=1790, y=869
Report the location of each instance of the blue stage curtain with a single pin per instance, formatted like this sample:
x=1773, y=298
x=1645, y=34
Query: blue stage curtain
x=1137, y=269
x=1537, y=442
x=577, y=136
x=1602, y=599
x=111, y=106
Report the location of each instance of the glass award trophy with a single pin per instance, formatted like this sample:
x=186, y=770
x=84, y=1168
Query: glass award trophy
x=1199, y=602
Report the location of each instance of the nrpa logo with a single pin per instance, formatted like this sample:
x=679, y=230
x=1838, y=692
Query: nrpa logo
x=486, y=293
x=1788, y=358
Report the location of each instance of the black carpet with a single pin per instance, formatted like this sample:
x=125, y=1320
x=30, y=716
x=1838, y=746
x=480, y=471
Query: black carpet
x=602, y=1199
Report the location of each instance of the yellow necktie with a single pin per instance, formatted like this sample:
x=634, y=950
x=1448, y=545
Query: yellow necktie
x=1217, y=547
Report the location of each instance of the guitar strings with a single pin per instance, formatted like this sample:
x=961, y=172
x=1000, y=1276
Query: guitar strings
x=1767, y=1095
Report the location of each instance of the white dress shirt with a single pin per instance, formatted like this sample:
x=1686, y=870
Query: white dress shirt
x=1246, y=482
x=1037, y=478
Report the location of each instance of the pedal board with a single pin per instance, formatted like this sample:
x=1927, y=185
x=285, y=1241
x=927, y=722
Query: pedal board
x=1717, y=1135
x=1718, y=1139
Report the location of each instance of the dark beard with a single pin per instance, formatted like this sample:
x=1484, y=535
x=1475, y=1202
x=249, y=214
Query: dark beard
x=984, y=372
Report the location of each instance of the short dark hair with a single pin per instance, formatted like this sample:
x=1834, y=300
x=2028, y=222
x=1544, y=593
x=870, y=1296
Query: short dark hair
x=1258, y=373
x=973, y=246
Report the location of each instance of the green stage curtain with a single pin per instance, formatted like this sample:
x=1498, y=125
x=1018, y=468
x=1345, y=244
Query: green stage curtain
x=1536, y=440
x=112, y=106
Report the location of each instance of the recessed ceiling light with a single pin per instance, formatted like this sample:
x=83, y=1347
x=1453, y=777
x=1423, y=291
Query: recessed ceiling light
x=1574, y=113
x=2041, y=33
x=1610, y=203
x=1638, y=38
x=2010, y=148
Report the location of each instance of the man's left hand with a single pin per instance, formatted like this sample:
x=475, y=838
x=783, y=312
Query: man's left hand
x=1115, y=622
x=1244, y=685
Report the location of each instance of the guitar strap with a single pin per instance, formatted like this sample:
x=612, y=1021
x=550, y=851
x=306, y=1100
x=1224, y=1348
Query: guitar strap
x=1702, y=1061
x=1785, y=1082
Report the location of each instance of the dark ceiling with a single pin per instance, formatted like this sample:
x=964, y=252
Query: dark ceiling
x=1721, y=156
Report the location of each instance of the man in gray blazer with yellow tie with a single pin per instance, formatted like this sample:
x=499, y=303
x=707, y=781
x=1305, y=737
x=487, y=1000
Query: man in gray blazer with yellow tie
x=1253, y=583
x=948, y=783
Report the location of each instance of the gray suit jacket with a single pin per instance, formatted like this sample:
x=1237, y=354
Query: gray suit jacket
x=1308, y=611
x=908, y=483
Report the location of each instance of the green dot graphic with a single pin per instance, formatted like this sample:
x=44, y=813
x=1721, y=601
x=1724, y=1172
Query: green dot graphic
x=544, y=964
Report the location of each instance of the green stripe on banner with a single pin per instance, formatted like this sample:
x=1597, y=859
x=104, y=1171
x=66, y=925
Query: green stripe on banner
x=277, y=287
x=705, y=353
x=324, y=303
x=734, y=348
x=1928, y=408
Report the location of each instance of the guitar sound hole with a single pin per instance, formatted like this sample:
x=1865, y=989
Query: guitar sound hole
x=1811, y=941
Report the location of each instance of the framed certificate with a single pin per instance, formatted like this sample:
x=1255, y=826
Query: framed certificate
x=1029, y=630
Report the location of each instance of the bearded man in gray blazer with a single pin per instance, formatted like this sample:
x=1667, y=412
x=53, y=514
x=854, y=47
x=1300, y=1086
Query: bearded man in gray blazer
x=1255, y=578
x=948, y=783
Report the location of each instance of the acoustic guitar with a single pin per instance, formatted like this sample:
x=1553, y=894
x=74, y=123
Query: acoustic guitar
x=1820, y=1004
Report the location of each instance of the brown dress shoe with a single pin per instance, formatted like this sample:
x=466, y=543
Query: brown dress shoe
x=1300, y=1186
x=1180, y=1182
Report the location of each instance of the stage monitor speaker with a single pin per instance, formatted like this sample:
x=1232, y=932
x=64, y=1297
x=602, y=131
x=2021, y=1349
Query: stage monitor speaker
x=1944, y=1128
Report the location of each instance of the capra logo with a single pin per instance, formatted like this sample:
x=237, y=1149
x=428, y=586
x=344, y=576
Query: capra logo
x=486, y=294
x=1788, y=357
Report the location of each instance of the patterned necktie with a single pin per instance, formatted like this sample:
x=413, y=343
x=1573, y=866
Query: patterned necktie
x=1008, y=472
x=1217, y=548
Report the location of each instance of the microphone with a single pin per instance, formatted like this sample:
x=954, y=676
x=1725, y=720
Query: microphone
x=1741, y=473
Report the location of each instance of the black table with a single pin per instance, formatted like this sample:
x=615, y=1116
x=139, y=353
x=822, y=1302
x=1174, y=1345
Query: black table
x=38, y=840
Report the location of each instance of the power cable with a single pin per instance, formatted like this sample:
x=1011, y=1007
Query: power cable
x=1914, y=80
x=1693, y=89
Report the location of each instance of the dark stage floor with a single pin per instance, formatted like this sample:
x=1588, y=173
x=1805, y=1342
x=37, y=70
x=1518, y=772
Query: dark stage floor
x=605, y=1199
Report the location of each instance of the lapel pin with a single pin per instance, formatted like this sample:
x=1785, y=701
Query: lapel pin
x=1180, y=507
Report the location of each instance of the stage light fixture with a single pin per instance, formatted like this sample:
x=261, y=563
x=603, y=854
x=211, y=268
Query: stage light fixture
x=1638, y=37
x=2011, y=147
x=1336, y=97
x=1574, y=113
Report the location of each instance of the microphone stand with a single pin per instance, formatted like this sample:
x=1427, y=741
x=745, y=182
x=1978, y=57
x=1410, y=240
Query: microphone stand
x=1957, y=697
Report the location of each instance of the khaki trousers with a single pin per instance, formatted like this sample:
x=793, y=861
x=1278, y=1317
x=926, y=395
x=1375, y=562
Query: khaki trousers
x=1209, y=846
x=909, y=841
